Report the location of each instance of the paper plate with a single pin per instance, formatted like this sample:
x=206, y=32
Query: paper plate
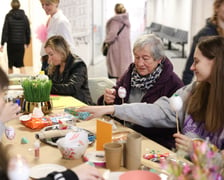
x=43, y=170
x=97, y=157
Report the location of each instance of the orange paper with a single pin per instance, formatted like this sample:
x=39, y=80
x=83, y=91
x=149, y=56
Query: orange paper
x=103, y=134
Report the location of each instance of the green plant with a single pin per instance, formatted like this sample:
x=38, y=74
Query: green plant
x=37, y=89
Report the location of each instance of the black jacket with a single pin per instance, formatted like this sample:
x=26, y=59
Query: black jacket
x=16, y=28
x=209, y=29
x=73, y=81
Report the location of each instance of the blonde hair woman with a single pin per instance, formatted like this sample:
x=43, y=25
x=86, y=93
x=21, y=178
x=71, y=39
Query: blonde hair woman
x=67, y=71
x=57, y=24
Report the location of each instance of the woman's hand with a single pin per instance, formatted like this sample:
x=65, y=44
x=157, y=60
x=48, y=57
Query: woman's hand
x=183, y=142
x=109, y=96
x=96, y=111
x=87, y=172
x=9, y=111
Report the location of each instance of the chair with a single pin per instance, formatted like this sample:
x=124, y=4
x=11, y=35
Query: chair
x=154, y=27
x=180, y=37
x=98, y=85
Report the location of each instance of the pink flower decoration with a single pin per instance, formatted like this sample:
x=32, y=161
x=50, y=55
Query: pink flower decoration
x=41, y=32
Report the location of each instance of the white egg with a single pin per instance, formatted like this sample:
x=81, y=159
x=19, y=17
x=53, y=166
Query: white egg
x=122, y=92
x=10, y=132
x=176, y=102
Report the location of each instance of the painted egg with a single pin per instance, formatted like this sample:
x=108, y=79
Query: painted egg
x=176, y=102
x=10, y=132
x=122, y=92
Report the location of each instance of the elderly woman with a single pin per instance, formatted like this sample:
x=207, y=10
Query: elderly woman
x=147, y=79
x=67, y=71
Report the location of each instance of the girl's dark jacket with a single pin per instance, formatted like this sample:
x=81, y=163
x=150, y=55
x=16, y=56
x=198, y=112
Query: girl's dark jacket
x=73, y=81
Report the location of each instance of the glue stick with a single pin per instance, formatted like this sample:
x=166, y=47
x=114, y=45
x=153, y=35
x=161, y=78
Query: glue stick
x=37, y=149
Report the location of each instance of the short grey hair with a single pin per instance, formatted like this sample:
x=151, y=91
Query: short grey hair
x=155, y=45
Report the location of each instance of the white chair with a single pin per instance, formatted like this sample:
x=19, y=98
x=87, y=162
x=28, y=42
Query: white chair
x=97, y=86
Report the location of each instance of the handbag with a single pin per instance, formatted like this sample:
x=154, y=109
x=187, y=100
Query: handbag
x=106, y=46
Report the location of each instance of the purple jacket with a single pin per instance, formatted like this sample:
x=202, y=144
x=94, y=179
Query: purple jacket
x=166, y=85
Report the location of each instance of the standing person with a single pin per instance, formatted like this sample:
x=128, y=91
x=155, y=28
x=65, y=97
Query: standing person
x=57, y=24
x=147, y=79
x=66, y=70
x=119, y=54
x=214, y=26
x=202, y=113
x=16, y=33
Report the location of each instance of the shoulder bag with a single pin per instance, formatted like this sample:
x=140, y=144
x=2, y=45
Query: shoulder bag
x=106, y=46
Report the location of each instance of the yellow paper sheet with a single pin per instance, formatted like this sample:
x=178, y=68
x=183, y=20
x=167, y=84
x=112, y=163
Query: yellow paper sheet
x=65, y=101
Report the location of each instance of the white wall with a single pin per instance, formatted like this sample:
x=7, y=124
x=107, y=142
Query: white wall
x=136, y=14
x=188, y=15
x=174, y=13
x=37, y=18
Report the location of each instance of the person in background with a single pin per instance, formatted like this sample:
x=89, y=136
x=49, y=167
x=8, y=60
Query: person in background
x=214, y=26
x=147, y=79
x=202, y=113
x=66, y=70
x=16, y=33
x=57, y=24
x=119, y=54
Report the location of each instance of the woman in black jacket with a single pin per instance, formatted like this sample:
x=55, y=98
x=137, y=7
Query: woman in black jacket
x=67, y=71
x=16, y=33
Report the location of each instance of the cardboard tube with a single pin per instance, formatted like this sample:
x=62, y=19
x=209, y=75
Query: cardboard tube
x=133, y=151
x=52, y=134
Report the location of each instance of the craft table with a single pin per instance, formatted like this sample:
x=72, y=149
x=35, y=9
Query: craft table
x=50, y=154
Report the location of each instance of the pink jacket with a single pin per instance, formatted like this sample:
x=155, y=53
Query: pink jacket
x=119, y=54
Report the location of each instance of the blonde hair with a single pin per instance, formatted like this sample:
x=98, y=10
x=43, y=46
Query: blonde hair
x=15, y=4
x=50, y=1
x=58, y=44
x=119, y=8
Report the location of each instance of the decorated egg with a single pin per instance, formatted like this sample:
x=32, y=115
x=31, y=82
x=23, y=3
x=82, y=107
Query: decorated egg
x=122, y=92
x=10, y=132
x=176, y=102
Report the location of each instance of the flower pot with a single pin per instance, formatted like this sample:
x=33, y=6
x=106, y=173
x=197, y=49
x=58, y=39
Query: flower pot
x=28, y=107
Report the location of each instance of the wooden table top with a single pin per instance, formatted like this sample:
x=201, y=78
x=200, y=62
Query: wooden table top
x=50, y=154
